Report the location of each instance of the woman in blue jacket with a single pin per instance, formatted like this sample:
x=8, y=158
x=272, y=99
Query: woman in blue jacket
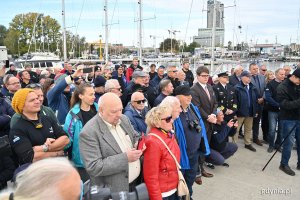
x=83, y=109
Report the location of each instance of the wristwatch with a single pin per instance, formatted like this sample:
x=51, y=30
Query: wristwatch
x=45, y=147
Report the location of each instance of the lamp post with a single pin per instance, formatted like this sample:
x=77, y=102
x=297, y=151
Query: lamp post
x=100, y=45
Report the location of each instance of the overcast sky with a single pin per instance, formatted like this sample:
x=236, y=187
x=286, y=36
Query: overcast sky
x=261, y=20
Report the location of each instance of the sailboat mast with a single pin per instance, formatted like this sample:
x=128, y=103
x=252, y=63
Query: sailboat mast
x=140, y=31
x=213, y=39
x=106, y=32
x=64, y=31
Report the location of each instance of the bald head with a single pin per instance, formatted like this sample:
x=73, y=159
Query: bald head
x=110, y=108
x=136, y=96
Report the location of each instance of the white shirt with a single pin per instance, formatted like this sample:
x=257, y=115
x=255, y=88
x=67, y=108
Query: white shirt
x=124, y=142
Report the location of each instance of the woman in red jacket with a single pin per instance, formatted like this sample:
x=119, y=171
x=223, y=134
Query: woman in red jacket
x=160, y=172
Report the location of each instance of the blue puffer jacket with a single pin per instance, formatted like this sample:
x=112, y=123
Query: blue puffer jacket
x=243, y=108
x=184, y=160
x=72, y=127
x=58, y=101
x=137, y=121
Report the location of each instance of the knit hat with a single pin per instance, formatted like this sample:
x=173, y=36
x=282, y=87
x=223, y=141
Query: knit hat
x=99, y=81
x=19, y=99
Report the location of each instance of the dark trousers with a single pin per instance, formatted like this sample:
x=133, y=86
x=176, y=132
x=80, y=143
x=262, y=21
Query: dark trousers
x=265, y=125
x=190, y=174
x=172, y=197
x=218, y=158
x=255, y=126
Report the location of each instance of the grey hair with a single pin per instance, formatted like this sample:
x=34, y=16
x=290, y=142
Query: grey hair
x=169, y=102
x=110, y=84
x=40, y=180
x=7, y=77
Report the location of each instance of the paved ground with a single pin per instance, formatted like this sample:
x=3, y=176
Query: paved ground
x=244, y=178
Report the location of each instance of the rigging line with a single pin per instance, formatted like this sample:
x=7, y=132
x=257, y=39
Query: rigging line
x=73, y=42
x=112, y=17
x=187, y=25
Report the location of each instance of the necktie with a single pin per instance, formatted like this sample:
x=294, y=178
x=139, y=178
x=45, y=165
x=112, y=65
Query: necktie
x=207, y=92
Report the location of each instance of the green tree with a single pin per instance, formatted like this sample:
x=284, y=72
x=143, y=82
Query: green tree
x=32, y=31
x=166, y=45
x=3, y=33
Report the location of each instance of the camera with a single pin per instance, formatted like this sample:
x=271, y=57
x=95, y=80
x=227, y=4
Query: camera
x=96, y=192
x=194, y=124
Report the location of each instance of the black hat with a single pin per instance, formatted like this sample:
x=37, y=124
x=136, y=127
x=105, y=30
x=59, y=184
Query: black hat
x=99, y=81
x=97, y=68
x=296, y=73
x=182, y=90
x=222, y=74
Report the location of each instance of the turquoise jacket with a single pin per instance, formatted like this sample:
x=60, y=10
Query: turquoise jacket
x=184, y=160
x=72, y=127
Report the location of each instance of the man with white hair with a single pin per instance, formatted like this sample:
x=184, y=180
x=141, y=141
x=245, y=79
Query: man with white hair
x=113, y=85
x=136, y=112
x=107, y=147
x=235, y=78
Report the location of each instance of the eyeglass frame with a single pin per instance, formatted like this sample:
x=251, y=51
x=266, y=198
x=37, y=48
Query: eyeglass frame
x=167, y=119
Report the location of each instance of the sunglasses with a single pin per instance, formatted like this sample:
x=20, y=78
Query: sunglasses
x=34, y=85
x=167, y=119
x=140, y=101
x=263, y=70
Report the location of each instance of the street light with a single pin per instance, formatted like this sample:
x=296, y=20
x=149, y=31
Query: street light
x=100, y=47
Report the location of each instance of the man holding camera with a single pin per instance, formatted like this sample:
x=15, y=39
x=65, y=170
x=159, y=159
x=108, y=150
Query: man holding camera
x=189, y=130
x=219, y=139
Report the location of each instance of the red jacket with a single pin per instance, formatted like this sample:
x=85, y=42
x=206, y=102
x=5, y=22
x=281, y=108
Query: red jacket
x=130, y=71
x=160, y=172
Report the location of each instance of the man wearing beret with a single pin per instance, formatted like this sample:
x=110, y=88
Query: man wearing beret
x=288, y=95
x=34, y=136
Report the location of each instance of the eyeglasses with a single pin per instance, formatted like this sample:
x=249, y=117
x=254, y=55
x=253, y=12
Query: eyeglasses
x=263, y=70
x=140, y=101
x=174, y=71
x=204, y=76
x=34, y=85
x=167, y=119
x=116, y=89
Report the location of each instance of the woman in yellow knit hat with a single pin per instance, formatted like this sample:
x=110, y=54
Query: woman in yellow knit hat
x=34, y=136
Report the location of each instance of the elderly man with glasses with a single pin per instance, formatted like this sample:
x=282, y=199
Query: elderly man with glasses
x=136, y=112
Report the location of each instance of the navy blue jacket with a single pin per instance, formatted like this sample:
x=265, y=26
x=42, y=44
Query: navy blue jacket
x=137, y=120
x=243, y=109
x=6, y=112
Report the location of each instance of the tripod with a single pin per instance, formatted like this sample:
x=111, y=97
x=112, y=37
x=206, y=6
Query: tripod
x=294, y=127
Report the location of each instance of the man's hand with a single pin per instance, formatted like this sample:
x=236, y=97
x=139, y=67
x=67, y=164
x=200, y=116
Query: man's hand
x=260, y=100
x=49, y=141
x=212, y=118
x=228, y=112
x=78, y=72
x=133, y=154
x=230, y=123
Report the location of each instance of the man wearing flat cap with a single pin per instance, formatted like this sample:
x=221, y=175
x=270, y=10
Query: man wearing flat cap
x=288, y=95
x=225, y=96
x=247, y=107
x=191, y=135
x=34, y=136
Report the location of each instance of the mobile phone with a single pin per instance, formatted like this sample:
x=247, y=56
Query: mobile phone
x=7, y=64
x=87, y=70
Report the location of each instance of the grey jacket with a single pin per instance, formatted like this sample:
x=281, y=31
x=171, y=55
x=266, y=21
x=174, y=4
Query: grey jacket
x=103, y=159
x=262, y=84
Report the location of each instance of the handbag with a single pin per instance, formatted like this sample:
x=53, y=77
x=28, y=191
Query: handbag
x=182, y=189
x=5, y=149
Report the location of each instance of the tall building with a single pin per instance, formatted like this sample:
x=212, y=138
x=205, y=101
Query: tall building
x=204, y=37
x=219, y=14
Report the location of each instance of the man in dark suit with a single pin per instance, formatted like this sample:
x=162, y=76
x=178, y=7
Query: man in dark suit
x=204, y=98
x=258, y=81
x=235, y=78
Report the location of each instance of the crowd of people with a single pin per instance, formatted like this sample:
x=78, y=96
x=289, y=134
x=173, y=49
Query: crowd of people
x=122, y=126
